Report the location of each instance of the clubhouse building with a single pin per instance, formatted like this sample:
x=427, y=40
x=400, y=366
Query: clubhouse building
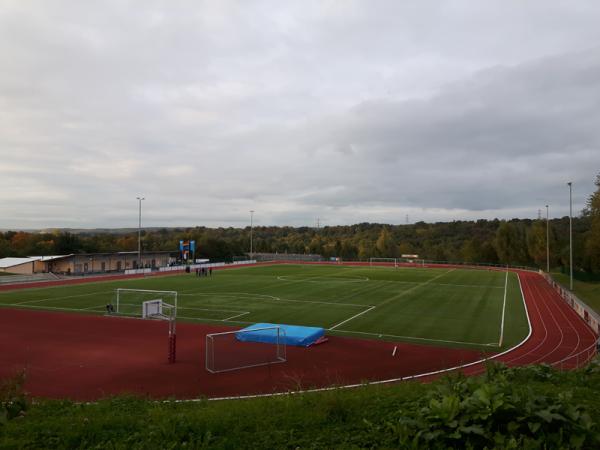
x=84, y=263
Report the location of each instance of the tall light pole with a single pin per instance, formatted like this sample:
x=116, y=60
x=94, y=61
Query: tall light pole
x=139, y=199
x=251, y=226
x=571, y=231
x=547, y=242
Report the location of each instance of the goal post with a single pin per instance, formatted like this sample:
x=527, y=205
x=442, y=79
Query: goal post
x=129, y=301
x=229, y=350
x=153, y=305
x=383, y=262
x=412, y=261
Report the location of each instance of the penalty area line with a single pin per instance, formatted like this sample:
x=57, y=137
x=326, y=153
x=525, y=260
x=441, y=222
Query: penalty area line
x=237, y=315
x=353, y=317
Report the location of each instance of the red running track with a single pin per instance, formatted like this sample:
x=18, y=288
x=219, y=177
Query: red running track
x=558, y=337
x=89, y=357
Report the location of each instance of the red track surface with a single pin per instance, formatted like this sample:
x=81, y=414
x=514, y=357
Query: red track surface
x=88, y=357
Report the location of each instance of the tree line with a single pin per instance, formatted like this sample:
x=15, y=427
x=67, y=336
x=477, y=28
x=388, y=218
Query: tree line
x=514, y=242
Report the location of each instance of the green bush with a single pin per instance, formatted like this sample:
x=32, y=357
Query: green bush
x=13, y=401
x=529, y=407
x=495, y=410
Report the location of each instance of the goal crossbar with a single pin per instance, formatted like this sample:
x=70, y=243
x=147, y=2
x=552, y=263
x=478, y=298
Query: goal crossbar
x=172, y=295
x=151, y=304
x=383, y=261
x=226, y=351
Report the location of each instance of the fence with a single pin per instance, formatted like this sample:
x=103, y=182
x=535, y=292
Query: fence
x=577, y=360
x=590, y=316
x=206, y=265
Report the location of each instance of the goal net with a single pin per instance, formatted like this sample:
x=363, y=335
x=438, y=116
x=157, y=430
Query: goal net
x=412, y=261
x=130, y=302
x=383, y=262
x=150, y=304
x=228, y=351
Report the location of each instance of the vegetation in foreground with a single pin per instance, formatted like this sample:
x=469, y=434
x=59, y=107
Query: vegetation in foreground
x=532, y=407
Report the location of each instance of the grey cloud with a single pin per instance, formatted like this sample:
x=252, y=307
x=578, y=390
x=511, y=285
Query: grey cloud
x=337, y=109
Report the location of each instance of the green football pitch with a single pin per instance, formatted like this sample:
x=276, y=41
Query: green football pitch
x=441, y=306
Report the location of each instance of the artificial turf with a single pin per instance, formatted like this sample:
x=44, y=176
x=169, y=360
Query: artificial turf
x=438, y=306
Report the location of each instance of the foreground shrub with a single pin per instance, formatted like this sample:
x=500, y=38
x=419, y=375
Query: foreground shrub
x=13, y=401
x=495, y=410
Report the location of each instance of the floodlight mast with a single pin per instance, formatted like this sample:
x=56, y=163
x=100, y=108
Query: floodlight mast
x=251, y=226
x=139, y=199
x=547, y=242
x=571, y=233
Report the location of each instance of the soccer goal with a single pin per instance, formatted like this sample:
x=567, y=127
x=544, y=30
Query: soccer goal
x=229, y=351
x=383, y=262
x=412, y=261
x=150, y=304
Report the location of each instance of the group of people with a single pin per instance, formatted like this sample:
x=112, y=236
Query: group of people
x=204, y=272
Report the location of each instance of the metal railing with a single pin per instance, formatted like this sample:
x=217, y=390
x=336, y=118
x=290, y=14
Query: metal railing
x=591, y=317
x=577, y=360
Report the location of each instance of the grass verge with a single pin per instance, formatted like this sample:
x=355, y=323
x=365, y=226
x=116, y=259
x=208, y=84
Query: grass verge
x=532, y=407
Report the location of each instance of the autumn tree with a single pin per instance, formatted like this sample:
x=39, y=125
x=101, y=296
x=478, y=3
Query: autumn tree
x=536, y=243
x=385, y=245
x=592, y=240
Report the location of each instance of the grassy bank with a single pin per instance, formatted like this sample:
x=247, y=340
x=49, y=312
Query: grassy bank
x=508, y=408
x=588, y=291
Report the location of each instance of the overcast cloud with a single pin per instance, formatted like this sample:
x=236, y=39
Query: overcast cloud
x=350, y=111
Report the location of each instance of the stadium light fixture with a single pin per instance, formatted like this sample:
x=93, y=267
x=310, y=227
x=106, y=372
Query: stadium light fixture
x=571, y=233
x=139, y=199
x=547, y=242
x=251, y=226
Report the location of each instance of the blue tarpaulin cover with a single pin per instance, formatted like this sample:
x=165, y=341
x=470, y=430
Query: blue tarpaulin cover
x=291, y=335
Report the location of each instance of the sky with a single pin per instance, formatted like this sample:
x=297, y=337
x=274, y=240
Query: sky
x=336, y=111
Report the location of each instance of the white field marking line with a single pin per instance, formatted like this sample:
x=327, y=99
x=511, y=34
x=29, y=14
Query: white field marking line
x=237, y=315
x=212, y=310
x=481, y=286
x=417, y=338
x=262, y=297
x=62, y=298
x=390, y=299
x=353, y=317
x=503, y=311
x=20, y=305
x=391, y=380
x=542, y=341
x=403, y=293
x=324, y=279
x=138, y=317
x=91, y=308
x=205, y=319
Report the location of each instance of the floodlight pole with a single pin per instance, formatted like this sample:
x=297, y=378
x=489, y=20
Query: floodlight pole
x=571, y=232
x=547, y=242
x=251, y=226
x=139, y=199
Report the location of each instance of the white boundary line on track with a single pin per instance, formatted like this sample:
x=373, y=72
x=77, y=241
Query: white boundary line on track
x=493, y=344
x=503, y=311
